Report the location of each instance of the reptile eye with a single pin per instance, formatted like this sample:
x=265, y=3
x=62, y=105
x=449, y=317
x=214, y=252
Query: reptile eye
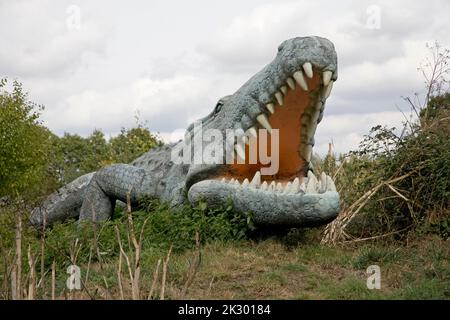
x=218, y=107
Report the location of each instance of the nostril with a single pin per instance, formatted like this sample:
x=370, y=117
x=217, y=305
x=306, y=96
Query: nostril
x=281, y=46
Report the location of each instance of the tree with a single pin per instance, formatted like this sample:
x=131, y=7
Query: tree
x=24, y=142
x=131, y=143
x=75, y=155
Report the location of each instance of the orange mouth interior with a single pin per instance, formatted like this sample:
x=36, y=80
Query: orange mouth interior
x=287, y=118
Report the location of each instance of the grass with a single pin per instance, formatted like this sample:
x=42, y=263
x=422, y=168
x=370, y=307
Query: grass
x=292, y=266
x=268, y=269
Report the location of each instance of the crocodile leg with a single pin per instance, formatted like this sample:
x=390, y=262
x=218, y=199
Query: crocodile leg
x=110, y=184
x=63, y=204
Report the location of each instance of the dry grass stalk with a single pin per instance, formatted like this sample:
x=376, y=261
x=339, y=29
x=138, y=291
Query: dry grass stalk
x=135, y=290
x=98, y=253
x=42, y=280
x=74, y=250
x=155, y=279
x=86, y=279
x=16, y=273
x=194, y=266
x=137, y=244
x=119, y=276
x=164, y=274
x=210, y=286
x=134, y=267
x=6, y=271
x=53, y=279
x=32, y=275
x=335, y=231
x=378, y=237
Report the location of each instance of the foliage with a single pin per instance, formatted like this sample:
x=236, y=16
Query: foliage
x=131, y=143
x=76, y=155
x=421, y=155
x=165, y=227
x=25, y=143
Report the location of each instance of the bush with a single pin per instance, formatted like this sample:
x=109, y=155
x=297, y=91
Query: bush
x=75, y=156
x=165, y=227
x=25, y=143
x=419, y=158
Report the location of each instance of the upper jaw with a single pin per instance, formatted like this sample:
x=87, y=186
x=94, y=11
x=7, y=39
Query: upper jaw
x=298, y=60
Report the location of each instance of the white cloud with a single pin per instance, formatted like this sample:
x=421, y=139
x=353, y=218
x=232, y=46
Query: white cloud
x=117, y=107
x=172, y=65
x=347, y=130
x=36, y=41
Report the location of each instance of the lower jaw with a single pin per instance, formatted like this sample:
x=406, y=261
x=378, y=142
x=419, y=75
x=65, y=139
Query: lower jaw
x=269, y=208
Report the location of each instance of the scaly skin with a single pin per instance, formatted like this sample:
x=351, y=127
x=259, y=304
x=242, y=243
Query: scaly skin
x=154, y=174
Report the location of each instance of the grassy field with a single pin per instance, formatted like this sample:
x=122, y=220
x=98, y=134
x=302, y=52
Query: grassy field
x=283, y=268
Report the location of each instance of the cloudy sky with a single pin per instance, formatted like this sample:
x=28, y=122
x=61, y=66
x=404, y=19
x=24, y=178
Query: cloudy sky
x=99, y=64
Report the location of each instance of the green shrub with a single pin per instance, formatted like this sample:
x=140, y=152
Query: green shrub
x=420, y=156
x=165, y=227
x=24, y=142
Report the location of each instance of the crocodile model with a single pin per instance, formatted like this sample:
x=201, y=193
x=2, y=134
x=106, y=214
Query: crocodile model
x=288, y=94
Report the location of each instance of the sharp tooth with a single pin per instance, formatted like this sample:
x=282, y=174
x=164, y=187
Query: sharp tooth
x=232, y=181
x=306, y=152
x=256, y=181
x=237, y=183
x=295, y=185
x=326, y=77
x=223, y=180
x=252, y=132
x=308, y=69
x=264, y=122
x=279, y=187
x=318, y=106
x=291, y=83
x=330, y=184
x=284, y=89
x=245, y=139
x=327, y=90
x=303, y=187
x=264, y=186
x=287, y=188
x=240, y=151
x=272, y=186
x=311, y=130
x=315, y=116
x=270, y=107
x=298, y=76
x=279, y=97
x=323, y=182
x=245, y=183
x=312, y=183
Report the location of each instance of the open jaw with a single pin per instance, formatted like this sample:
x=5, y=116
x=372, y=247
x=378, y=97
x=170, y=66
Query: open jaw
x=294, y=196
